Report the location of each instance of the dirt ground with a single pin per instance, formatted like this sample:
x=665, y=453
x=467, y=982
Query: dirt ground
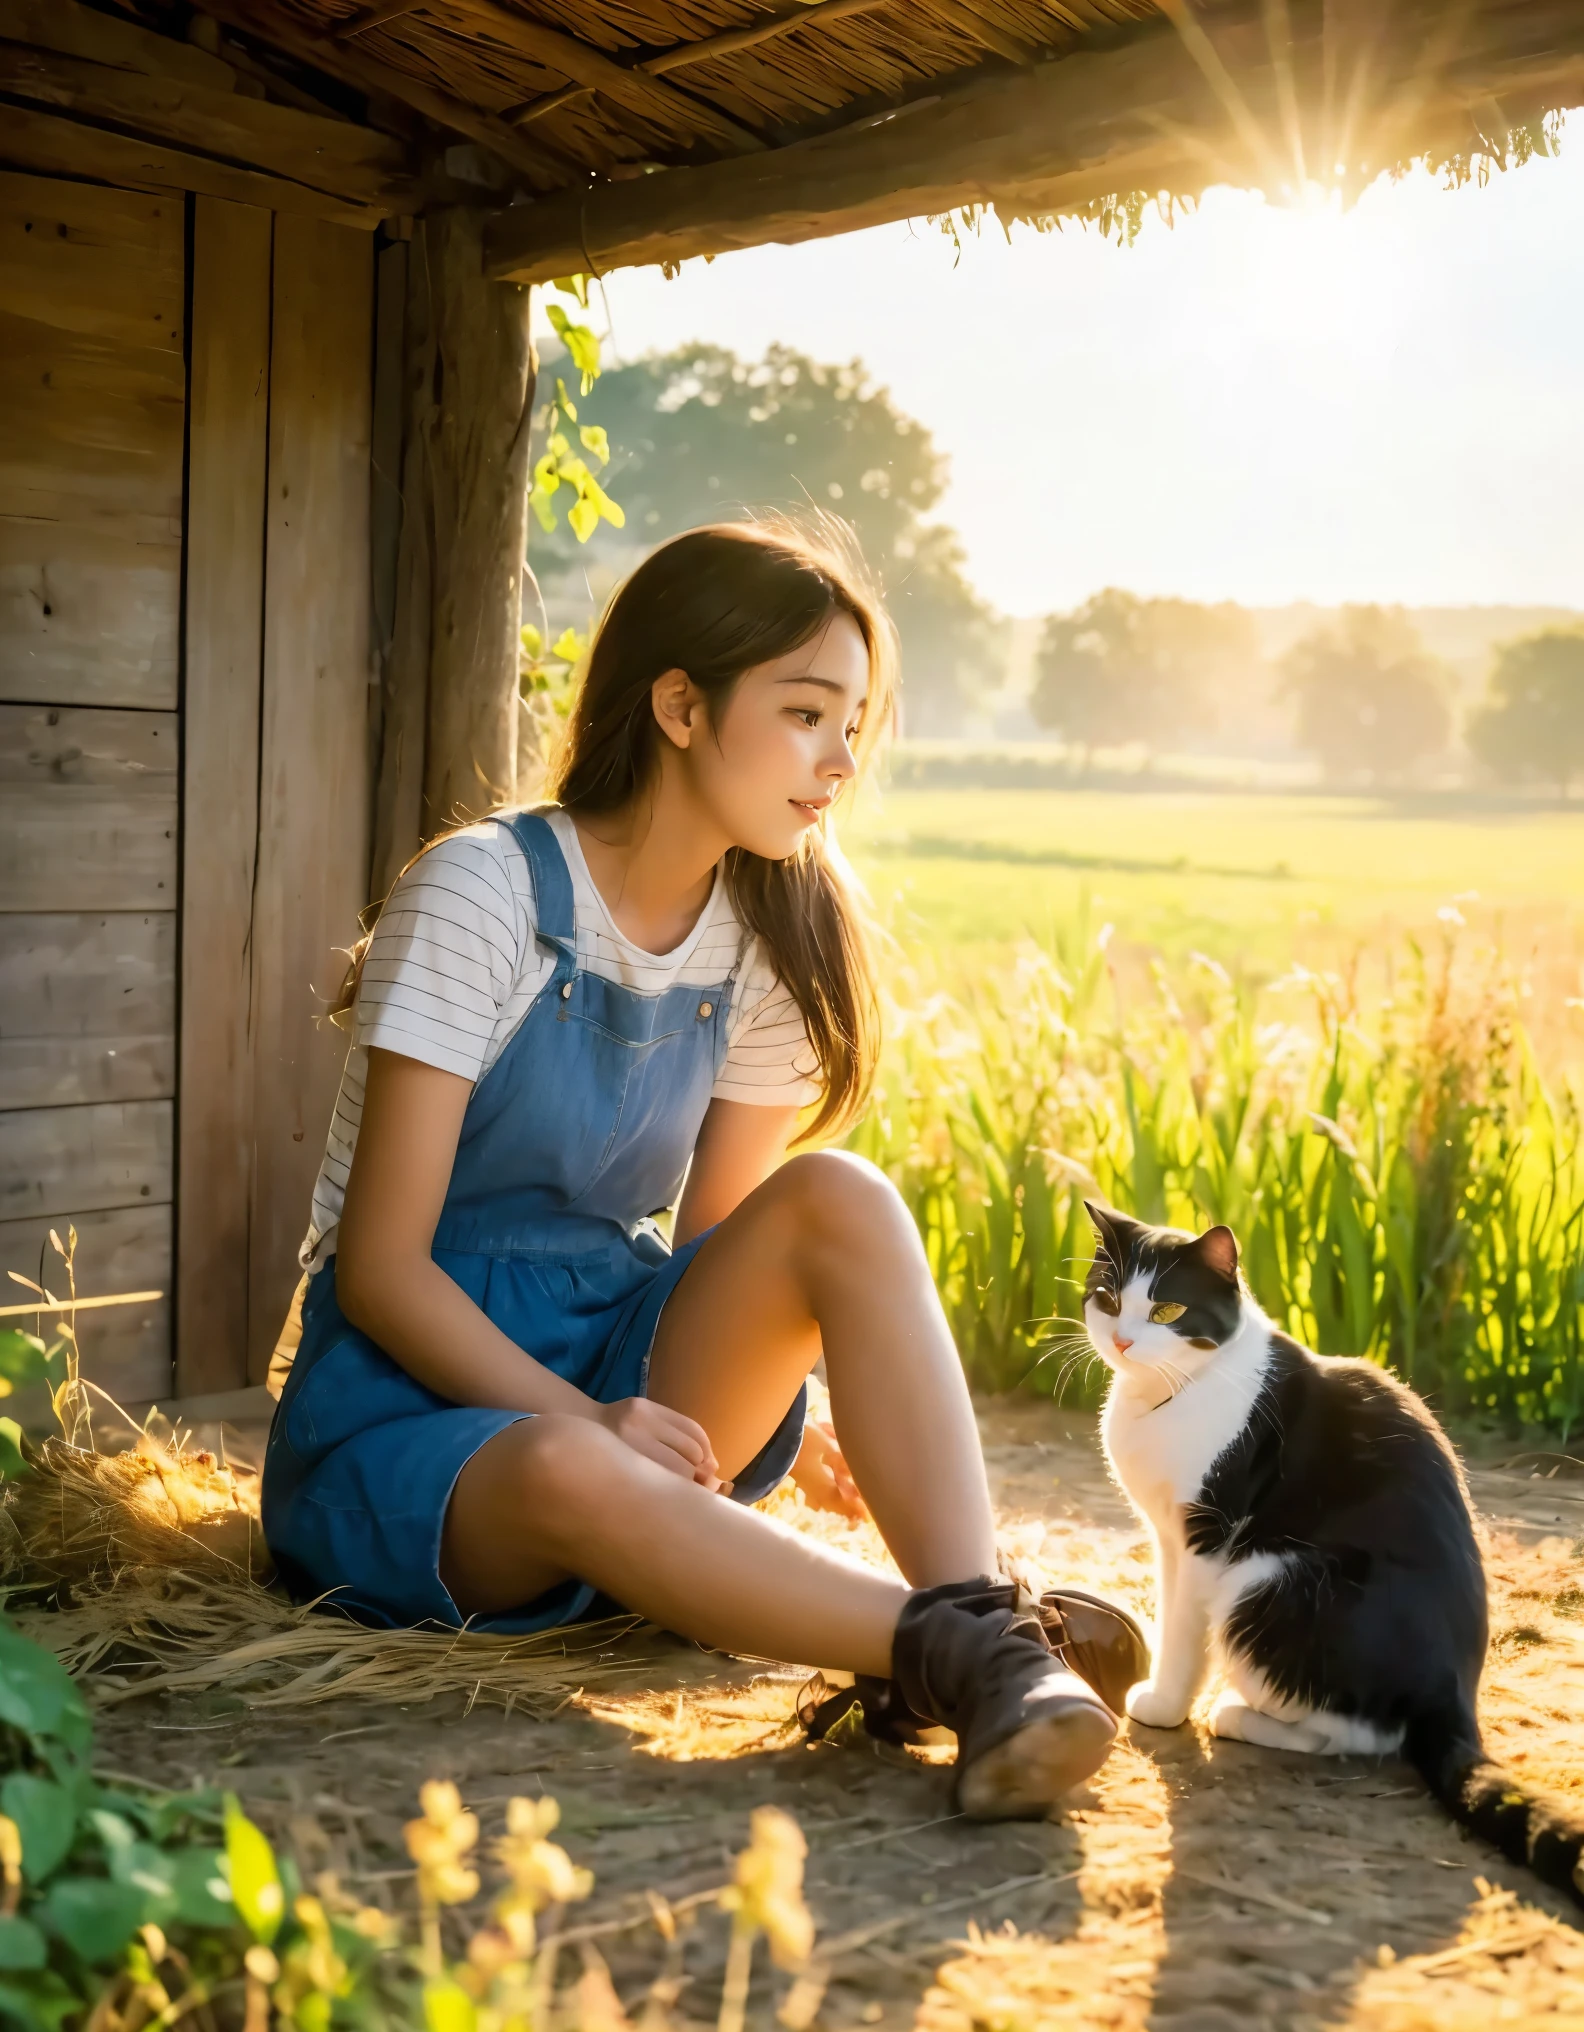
x=1198, y=1886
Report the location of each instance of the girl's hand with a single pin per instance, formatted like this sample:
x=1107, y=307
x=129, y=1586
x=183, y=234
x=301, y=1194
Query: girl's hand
x=823, y=1475
x=666, y=1437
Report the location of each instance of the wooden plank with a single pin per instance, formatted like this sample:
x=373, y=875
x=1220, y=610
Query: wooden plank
x=108, y=263
x=87, y=1008
x=1140, y=114
x=313, y=155
x=90, y=809
x=90, y=431
x=314, y=774
x=68, y=1161
x=88, y=616
x=125, y=1348
x=56, y=145
x=80, y=31
x=225, y=604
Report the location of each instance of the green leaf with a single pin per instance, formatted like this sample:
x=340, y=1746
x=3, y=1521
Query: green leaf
x=95, y=1916
x=22, y=1358
x=532, y=641
x=448, y=2008
x=583, y=518
x=313, y=2013
x=539, y=501
x=564, y=400
x=41, y=2002
x=569, y=645
x=12, y=1462
x=252, y=1873
x=46, y=1818
x=595, y=440
x=573, y=285
x=22, y=1946
x=38, y=1698
x=202, y=1895
x=582, y=346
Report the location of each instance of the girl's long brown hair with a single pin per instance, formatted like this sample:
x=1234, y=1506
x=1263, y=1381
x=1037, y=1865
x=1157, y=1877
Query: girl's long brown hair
x=715, y=603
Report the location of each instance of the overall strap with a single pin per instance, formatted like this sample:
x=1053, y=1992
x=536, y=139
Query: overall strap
x=552, y=883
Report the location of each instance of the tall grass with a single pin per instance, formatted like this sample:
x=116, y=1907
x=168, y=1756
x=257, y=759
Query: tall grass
x=1404, y=1182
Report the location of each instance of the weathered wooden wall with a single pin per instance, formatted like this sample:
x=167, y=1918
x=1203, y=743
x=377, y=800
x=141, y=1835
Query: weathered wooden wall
x=92, y=405
x=277, y=767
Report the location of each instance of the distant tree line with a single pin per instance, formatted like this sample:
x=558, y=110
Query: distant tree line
x=1366, y=697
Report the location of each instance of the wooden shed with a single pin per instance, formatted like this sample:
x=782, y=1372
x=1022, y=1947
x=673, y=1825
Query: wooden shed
x=265, y=385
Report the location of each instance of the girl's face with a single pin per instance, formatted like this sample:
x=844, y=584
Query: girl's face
x=782, y=748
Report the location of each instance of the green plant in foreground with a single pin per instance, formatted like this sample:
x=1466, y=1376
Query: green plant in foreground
x=1405, y=1186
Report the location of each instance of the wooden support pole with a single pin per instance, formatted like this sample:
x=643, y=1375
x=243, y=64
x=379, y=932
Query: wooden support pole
x=449, y=749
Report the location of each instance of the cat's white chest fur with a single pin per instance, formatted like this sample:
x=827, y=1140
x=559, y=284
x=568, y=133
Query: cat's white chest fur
x=1161, y=1452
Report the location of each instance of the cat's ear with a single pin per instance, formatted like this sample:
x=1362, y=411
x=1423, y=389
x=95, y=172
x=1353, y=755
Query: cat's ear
x=1101, y=1218
x=1217, y=1248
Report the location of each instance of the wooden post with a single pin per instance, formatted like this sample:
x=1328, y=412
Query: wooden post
x=449, y=750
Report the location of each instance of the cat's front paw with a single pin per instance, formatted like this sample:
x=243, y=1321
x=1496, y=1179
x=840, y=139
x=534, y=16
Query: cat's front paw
x=1146, y=1703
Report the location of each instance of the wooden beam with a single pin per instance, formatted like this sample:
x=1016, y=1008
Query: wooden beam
x=106, y=38
x=374, y=17
x=1140, y=115
x=650, y=97
x=227, y=439
x=824, y=14
x=330, y=164
x=543, y=164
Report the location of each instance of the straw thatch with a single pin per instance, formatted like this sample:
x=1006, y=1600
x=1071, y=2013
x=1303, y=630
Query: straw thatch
x=146, y=1571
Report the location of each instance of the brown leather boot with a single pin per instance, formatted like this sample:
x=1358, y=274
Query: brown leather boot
x=970, y=1658
x=1094, y=1637
x=1099, y=1640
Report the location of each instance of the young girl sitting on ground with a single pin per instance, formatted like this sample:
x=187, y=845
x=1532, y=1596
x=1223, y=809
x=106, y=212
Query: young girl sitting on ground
x=510, y=1394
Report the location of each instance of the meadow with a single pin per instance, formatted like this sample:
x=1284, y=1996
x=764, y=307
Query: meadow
x=1353, y=1029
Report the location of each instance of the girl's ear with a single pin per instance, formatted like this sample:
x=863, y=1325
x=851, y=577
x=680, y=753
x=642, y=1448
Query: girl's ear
x=677, y=703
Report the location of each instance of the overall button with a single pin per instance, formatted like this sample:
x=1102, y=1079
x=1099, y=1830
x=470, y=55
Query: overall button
x=706, y=1009
x=566, y=991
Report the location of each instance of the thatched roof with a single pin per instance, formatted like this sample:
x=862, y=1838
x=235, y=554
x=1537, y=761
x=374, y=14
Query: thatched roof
x=783, y=119
x=616, y=131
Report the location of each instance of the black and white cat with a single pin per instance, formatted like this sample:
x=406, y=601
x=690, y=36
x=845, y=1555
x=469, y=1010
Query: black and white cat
x=1313, y=1534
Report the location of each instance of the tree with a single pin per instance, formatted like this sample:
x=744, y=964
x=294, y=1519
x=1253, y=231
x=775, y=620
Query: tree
x=1532, y=722
x=699, y=435
x=1368, y=699
x=1121, y=669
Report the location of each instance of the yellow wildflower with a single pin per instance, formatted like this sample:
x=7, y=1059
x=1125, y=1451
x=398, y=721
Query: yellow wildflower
x=766, y=1894
x=437, y=1843
x=541, y=1872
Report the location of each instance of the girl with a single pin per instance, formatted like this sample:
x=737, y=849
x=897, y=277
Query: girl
x=510, y=1394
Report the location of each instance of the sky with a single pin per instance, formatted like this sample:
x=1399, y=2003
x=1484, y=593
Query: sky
x=1261, y=403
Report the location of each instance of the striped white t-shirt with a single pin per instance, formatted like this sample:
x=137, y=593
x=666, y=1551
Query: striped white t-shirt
x=453, y=966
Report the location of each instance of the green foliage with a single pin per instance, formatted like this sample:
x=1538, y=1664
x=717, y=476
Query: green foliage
x=702, y=436
x=1531, y=726
x=1409, y=1190
x=1121, y=669
x=559, y=465
x=1369, y=701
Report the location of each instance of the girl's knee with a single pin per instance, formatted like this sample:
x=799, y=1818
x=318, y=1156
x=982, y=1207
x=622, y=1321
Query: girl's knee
x=837, y=1197
x=564, y=1467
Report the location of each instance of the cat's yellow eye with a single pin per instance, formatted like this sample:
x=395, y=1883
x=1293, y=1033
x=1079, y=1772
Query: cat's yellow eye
x=1163, y=1315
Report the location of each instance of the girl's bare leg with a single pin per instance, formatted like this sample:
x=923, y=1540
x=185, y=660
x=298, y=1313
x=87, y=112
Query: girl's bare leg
x=823, y=1254
x=554, y=1496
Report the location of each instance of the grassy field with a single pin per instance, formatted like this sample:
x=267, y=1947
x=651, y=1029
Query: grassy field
x=1352, y=1030
x=1256, y=881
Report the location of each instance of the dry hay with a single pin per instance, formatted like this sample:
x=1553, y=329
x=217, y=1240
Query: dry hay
x=146, y=1571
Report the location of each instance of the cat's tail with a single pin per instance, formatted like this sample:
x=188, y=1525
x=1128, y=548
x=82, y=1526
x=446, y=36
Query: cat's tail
x=1546, y=1835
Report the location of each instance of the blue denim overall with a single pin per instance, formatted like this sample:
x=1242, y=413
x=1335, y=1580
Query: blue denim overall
x=582, y=1127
